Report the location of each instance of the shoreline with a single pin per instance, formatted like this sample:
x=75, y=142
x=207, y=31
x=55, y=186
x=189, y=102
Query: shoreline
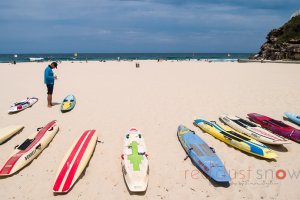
x=269, y=61
x=123, y=56
x=129, y=60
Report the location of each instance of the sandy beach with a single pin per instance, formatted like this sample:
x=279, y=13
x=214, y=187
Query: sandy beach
x=114, y=96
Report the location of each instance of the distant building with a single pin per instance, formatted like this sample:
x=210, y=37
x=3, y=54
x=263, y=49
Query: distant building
x=297, y=13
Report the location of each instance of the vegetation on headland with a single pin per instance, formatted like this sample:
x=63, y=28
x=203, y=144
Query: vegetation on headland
x=282, y=43
x=290, y=31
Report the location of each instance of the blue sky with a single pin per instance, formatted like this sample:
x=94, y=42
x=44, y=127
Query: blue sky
x=117, y=26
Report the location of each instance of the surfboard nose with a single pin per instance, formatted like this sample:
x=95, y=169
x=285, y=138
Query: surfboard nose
x=197, y=121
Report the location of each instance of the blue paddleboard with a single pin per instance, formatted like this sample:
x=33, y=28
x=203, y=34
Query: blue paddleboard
x=202, y=155
x=293, y=117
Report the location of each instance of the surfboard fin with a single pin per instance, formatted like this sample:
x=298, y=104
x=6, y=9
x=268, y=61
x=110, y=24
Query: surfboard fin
x=187, y=156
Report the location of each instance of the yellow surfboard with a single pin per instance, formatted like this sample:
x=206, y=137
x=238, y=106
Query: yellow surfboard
x=236, y=139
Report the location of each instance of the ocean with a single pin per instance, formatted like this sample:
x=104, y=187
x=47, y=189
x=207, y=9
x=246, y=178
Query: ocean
x=217, y=57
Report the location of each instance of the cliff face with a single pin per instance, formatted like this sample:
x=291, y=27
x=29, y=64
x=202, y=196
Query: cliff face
x=282, y=43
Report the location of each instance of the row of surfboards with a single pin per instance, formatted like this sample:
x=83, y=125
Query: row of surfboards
x=67, y=104
x=134, y=161
x=134, y=158
x=241, y=134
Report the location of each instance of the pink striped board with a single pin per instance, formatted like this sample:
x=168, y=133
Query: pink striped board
x=75, y=161
x=23, y=156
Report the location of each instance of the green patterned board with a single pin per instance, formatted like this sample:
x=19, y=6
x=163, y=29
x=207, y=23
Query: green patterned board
x=135, y=159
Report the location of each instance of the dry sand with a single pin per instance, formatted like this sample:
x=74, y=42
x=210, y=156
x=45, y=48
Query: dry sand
x=155, y=98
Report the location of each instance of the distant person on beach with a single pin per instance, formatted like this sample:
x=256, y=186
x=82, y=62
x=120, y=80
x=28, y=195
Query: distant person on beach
x=49, y=78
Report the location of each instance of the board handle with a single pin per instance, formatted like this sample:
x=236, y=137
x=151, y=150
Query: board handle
x=227, y=137
x=212, y=149
x=38, y=146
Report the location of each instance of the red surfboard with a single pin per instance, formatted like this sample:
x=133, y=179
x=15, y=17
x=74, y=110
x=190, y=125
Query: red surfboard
x=75, y=161
x=29, y=149
x=276, y=126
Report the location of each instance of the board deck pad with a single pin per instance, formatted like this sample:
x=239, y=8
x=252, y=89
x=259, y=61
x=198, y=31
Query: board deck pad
x=135, y=158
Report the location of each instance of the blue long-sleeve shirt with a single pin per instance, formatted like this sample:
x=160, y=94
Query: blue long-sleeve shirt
x=48, y=76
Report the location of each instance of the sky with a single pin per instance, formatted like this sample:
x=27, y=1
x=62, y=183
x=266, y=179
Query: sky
x=140, y=26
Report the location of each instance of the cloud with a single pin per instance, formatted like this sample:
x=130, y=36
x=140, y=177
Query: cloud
x=140, y=25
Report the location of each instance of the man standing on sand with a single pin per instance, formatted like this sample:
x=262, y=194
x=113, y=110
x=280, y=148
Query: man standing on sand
x=49, y=78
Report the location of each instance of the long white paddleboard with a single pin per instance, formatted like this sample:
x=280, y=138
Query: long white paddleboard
x=135, y=164
x=253, y=130
x=9, y=131
x=75, y=161
x=29, y=149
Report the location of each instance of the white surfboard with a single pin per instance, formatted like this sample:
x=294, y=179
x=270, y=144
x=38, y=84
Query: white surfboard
x=29, y=149
x=74, y=162
x=26, y=103
x=9, y=131
x=135, y=164
x=253, y=130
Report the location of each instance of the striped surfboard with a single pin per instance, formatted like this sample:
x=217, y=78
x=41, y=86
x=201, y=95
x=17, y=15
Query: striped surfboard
x=29, y=149
x=75, y=161
x=235, y=139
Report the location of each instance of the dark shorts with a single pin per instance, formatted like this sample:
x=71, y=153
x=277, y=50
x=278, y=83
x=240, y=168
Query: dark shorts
x=50, y=88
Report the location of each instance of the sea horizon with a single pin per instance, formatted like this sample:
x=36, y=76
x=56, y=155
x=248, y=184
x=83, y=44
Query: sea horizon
x=27, y=57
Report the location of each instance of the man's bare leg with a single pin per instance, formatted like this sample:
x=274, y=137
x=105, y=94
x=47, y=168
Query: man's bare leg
x=49, y=99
